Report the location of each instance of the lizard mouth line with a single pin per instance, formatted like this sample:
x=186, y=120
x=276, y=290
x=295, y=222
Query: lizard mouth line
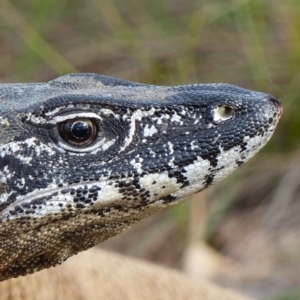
x=60, y=197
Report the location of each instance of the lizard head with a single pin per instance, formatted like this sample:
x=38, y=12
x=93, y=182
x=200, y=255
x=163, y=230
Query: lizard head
x=85, y=156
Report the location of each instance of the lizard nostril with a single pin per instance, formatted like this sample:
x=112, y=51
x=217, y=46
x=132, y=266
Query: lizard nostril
x=223, y=113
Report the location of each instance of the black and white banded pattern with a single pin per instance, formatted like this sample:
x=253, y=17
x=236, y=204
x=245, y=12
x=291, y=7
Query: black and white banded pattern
x=150, y=146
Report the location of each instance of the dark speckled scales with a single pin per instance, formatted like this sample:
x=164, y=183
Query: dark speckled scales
x=154, y=146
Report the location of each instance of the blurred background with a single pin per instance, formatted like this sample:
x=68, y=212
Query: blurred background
x=243, y=233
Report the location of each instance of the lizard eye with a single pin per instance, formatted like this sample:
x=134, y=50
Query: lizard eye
x=78, y=132
x=223, y=113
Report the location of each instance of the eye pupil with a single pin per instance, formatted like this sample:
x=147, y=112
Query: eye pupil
x=80, y=130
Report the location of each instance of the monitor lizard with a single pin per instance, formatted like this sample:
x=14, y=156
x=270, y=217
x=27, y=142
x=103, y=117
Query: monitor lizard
x=85, y=156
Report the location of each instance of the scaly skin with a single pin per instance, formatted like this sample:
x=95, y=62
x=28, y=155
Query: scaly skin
x=85, y=156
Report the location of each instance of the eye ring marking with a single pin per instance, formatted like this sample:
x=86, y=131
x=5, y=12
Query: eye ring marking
x=223, y=113
x=80, y=132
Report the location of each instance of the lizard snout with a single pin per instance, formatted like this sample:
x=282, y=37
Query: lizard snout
x=277, y=104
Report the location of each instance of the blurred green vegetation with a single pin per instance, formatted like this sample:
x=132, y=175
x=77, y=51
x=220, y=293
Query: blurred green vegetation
x=251, y=43
x=291, y=295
